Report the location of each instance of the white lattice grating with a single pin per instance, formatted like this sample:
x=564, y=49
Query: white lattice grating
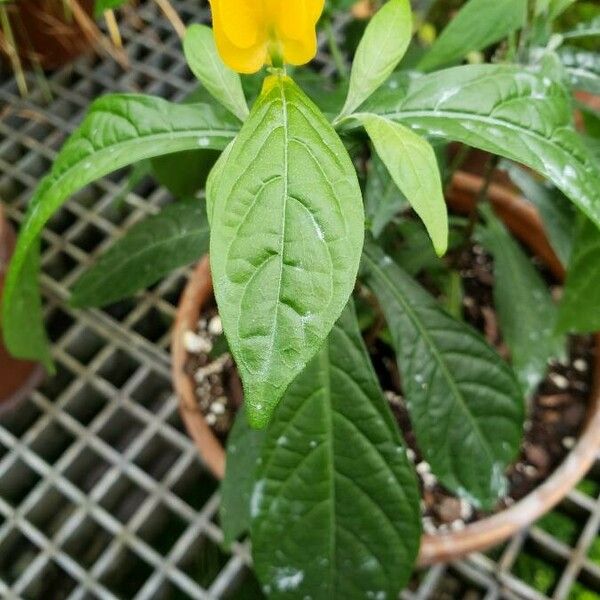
x=102, y=494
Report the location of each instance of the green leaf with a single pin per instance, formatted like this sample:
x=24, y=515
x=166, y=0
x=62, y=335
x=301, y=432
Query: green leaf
x=413, y=166
x=465, y=404
x=118, y=130
x=557, y=7
x=557, y=214
x=102, y=5
x=205, y=63
x=151, y=249
x=526, y=311
x=589, y=28
x=287, y=234
x=578, y=311
x=23, y=326
x=335, y=509
x=583, y=68
x=503, y=109
x=479, y=24
x=244, y=447
x=184, y=173
x=213, y=179
x=380, y=50
x=383, y=199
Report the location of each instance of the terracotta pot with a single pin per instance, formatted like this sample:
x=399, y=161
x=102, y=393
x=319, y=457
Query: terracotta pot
x=17, y=378
x=524, y=222
x=41, y=27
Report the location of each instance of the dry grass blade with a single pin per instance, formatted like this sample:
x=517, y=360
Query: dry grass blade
x=95, y=36
x=172, y=16
x=7, y=42
x=113, y=28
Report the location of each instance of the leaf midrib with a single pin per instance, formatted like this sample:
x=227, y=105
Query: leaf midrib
x=486, y=119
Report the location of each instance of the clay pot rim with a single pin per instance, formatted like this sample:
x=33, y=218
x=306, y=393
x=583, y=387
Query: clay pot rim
x=523, y=219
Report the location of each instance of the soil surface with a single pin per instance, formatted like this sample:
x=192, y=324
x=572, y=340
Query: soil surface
x=556, y=412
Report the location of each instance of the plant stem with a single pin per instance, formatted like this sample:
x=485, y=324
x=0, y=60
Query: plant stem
x=490, y=168
x=456, y=164
x=336, y=53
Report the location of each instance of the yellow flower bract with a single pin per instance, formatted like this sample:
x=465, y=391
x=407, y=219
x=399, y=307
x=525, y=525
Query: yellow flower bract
x=253, y=33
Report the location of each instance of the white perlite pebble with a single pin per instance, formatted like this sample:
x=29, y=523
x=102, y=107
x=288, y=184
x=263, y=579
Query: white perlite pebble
x=429, y=480
x=466, y=510
x=423, y=467
x=195, y=344
x=560, y=381
x=568, y=442
x=411, y=455
x=215, y=327
x=457, y=525
x=530, y=470
x=211, y=419
x=428, y=525
x=217, y=408
x=580, y=365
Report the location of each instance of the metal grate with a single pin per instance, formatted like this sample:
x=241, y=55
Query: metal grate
x=102, y=494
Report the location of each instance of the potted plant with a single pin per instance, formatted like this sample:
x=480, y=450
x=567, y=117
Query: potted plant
x=318, y=314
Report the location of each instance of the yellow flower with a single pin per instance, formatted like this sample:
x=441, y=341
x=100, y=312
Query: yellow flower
x=252, y=33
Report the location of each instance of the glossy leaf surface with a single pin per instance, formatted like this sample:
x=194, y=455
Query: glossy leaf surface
x=518, y=114
x=203, y=59
x=118, y=130
x=380, y=50
x=335, y=509
x=556, y=212
x=580, y=306
x=465, y=404
x=413, y=166
x=478, y=24
x=383, y=199
x=151, y=249
x=525, y=308
x=287, y=228
x=244, y=447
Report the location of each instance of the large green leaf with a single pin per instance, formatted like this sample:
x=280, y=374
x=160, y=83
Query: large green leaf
x=465, y=404
x=518, y=114
x=479, y=24
x=206, y=64
x=380, y=50
x=287, y=232
x=413, y=166
x=335, y=509
x=579, y=310
x=524, y=305
x=118, y=130
x=244, y=447
x=151, y=249
x=383, y=199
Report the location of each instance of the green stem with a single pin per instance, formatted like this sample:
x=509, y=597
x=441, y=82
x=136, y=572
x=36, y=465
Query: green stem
x=336, y=53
